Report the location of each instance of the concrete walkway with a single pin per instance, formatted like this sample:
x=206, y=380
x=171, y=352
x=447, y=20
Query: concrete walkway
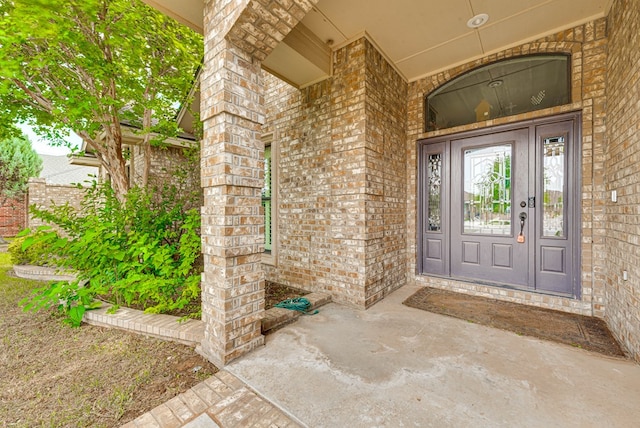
x=395, y=366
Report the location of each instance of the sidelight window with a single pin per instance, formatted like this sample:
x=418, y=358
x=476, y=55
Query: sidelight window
x=554, y=187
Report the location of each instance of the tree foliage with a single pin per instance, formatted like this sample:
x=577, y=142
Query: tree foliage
x=18, y=162
x=91, y=65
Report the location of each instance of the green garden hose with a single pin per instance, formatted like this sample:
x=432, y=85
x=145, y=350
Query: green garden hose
x=299, y=304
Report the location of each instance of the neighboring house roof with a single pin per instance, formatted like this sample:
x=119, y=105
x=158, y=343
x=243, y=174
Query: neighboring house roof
x=58, y=170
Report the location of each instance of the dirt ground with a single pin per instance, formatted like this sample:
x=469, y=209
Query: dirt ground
x=56, y=376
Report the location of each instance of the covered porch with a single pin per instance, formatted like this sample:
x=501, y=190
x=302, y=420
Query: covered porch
x=341, y=107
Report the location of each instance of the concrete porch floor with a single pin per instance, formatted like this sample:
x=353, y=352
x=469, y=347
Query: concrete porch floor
x=396, y=366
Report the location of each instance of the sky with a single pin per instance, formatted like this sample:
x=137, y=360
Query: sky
x=41, y=146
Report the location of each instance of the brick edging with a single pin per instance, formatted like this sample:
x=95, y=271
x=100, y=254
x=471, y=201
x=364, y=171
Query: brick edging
x=42, y=273
x=190, y=332
x=222, y=400
x=161, y=326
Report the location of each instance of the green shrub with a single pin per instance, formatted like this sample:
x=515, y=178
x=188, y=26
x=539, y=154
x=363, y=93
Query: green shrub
x=142, y=251
x=33, y=249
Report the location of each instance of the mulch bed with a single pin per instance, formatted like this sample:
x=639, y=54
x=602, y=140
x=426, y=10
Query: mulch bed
x=580, y=331
x=276, y=293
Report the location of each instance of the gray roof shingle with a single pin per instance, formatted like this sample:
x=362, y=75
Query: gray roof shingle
x=58, y=170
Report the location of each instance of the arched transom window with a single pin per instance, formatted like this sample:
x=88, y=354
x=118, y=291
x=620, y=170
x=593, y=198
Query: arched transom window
x=505, y=88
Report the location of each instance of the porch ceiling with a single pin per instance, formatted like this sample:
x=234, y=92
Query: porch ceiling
x=418, y=37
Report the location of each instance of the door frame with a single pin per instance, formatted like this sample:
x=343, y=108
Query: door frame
x=441, y=144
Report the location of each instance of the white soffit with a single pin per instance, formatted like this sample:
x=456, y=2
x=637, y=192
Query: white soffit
x=292, y=67
x=420, y=37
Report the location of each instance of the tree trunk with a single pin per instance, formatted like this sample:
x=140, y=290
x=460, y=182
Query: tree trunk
x=146, y=141
x=3, y=200
x=146, y=154
x=109, y=152
x=119, y=180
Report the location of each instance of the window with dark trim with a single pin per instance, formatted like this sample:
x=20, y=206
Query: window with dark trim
x=266, y=199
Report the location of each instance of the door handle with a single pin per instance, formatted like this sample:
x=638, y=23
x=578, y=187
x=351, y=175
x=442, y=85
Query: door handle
x=523, y=218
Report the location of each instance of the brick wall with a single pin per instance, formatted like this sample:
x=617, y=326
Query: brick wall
x=165, y=163
x=13, y=217
x=348, y=181
x=341, y=212
x=587, y=45
x=386, y=228
x=45, y=195
x=623, y=175
x=301, y=126
x=169, y=165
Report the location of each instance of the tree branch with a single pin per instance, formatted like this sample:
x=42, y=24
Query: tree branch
x=43, y=102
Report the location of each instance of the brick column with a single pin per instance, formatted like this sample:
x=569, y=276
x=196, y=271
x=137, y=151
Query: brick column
x=232, y=177
x=238, y=35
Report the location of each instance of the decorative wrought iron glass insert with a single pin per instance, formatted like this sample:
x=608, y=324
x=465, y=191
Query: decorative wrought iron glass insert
x=505, y=88
x=434, y=186
x=554, y=187
x=487, y=190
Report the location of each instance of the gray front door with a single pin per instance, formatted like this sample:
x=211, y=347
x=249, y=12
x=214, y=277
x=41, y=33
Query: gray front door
x=490, y=177
x=506, y=206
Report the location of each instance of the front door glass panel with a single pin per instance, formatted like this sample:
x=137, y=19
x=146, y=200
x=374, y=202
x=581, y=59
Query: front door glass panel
x=487, y=190
x=554, y=189
x=434, y=177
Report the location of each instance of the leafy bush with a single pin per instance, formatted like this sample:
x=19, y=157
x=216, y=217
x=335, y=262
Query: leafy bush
x=143, y=251
x=38, y=252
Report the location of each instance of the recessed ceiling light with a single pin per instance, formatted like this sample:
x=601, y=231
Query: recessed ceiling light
x=495, y=83
x=478, y=20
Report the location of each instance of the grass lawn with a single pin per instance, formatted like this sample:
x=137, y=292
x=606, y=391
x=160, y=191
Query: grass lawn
x=56, y=376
